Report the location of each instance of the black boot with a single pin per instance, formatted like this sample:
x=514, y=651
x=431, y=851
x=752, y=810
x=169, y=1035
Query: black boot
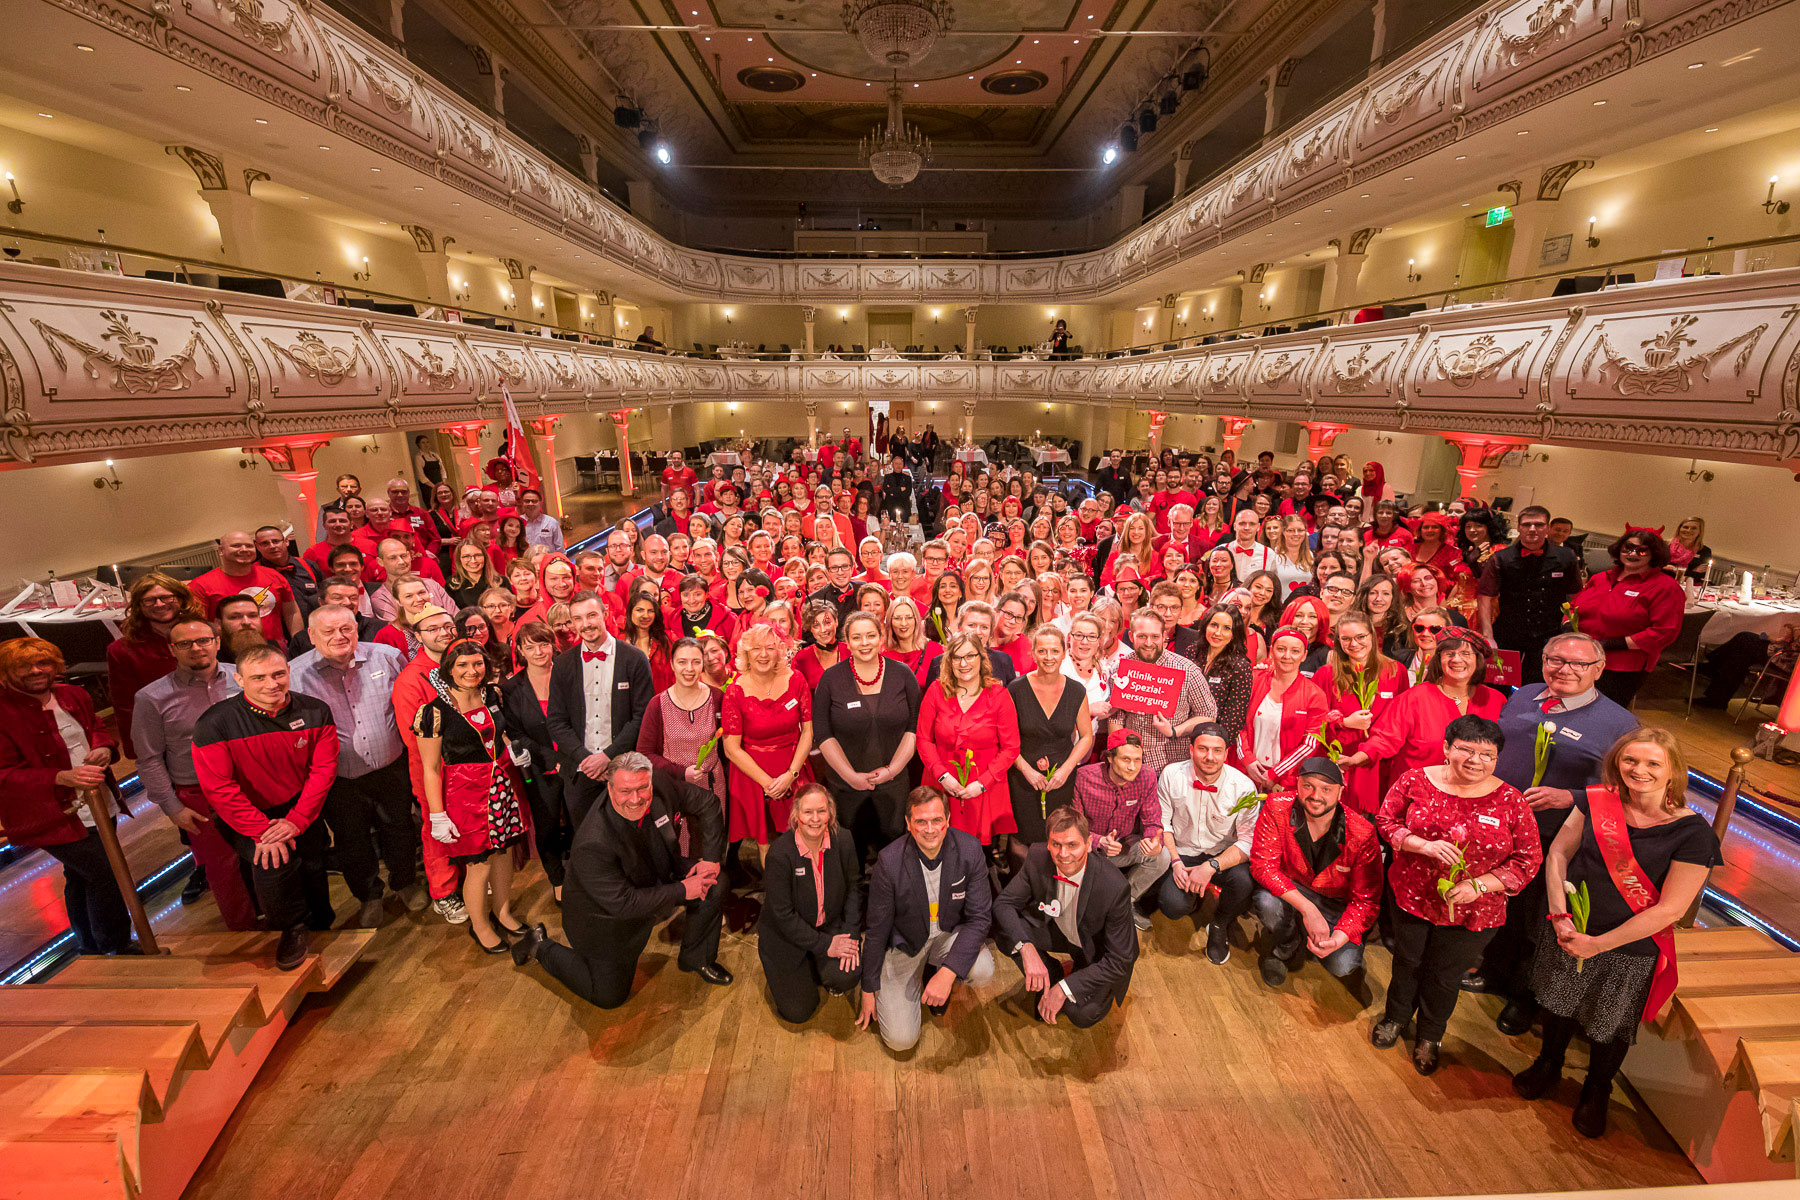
x=196, y=885
x=1539, y=1078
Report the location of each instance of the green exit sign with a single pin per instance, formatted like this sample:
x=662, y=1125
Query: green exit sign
x=1498, y=216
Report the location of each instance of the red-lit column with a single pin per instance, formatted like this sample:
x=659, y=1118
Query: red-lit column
x=622, y=425
x=1319, y=436
x=1234, y=433
x=1481, y=453
x=1157, y=419
x=466, y=436
x=545, y=428
x=298, y=481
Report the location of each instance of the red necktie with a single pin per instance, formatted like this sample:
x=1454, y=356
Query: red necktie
x=1550, y=701
x=1067, y=880
x=588, y=656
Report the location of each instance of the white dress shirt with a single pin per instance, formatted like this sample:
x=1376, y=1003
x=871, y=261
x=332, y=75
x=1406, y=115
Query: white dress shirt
x=1200, y=823
x=544, y=530
x=1068, y=895
x=597, y=692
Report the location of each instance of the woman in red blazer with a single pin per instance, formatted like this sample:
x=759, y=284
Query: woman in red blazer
x=1359, y=683
x=1634, y=609
x=52, y=747
x=1286, y=708
x=1410, y=732
x=969, y=730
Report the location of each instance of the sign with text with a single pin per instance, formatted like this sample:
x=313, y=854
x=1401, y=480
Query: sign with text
x=1507, y=672
x=1143, y=687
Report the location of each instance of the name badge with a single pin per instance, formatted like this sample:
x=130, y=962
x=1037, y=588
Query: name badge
x=1384, y=695
x=1556, y=574
x=664, y=820
x=799, y=870
x=297, y=723
x=1632, y=594
x=377, y=674
x=854, y=704
x=1487, y=820
x=1131, y=804
x=624, y=685
x=957, y=895
x=1574, y=735
x=790, y=704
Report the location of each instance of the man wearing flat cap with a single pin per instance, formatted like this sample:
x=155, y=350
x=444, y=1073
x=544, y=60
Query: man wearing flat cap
x=1317, y=867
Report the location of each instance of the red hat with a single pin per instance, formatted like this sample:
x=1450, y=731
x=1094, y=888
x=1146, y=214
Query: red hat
x=1122, y=737
x=1631, y=529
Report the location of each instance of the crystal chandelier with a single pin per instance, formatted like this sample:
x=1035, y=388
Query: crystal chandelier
x=897, y=33
x=895, y=153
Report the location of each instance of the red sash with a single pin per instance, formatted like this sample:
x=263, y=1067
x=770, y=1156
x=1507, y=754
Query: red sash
x=1614, y=838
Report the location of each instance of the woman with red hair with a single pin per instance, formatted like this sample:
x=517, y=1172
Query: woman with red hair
x=52, y=748
x=1310, y=616
x=1436, y=544
x=1285, y=711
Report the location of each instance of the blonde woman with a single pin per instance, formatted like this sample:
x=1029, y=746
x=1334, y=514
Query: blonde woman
x=1293, y=563
x=908, y=642
x=968, y=738
x=1137, y=540
x=767, y=721
x=978, y=581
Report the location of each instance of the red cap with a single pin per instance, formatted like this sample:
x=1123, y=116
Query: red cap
x=1120, y=737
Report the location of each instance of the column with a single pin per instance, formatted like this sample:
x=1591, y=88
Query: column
x=1319, y=436
x=1184, y=158
x=807, y=314
x=434, y=263
x=1378, y=45
x=466, y=437
x=1275, y=85
x=1481, y=453
x=545, y=428
x=1157, y=419
x=1249, y=296
x=622, y=426
x=1233, y=433
x=298, y=480
x=227, y=195
x=396, y=21
x=968, y=415
x=1343, y=273
x=590, y=161
x=1535, y=215
x=969, y=331
x=812, y=410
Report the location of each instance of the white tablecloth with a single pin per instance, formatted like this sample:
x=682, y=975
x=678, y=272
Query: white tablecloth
x=1731, y=618
x=725, y=458
x=972, y=456
x=1049, y=454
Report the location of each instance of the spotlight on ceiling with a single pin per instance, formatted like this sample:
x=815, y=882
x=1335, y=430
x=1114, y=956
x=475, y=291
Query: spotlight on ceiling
x=1109, y=156
x=1147, y=119
x=1127, y=138
x=661, y=154
x=627, y=117
x=1167, y=104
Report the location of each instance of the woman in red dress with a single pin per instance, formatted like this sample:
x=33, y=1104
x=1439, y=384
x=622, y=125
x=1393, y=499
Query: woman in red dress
x=1283, y=718
x=1410, y=733
x=1436, y=544
x=767, y=719
x=907, y=643
x=1634, y=609
x=683, y=718
x=472, y=801
x=969, y=730
x=1359, y=683
x=822, y=651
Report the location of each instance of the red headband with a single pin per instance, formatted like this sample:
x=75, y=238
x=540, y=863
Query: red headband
x=1631, y=529
x=1289, y=631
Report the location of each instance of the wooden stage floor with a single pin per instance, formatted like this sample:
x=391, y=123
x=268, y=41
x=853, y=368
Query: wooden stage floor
x=438, y=1071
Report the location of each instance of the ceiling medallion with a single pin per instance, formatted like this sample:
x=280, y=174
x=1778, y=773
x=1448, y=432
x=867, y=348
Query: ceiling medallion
x=895, y=154
x=1016, y=81
x=897, y=33
x=771, y=79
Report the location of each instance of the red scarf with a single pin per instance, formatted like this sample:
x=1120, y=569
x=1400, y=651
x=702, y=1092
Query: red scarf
x=1614, y=839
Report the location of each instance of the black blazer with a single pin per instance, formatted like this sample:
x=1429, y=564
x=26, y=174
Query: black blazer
x=1004, y=670
x=610, y=882
x=1109, y=943
x=791, y=898
x=567, y=718
x=1185, y=642
x=527, y=722
x=900, y=913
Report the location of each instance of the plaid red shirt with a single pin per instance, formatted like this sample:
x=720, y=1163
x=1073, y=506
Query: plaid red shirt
x=1129, y=812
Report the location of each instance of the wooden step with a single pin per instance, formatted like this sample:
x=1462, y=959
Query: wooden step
x=1720, y=1021
x=216, y=1011
x=1693, y=945
x=162, y=1052
x=1771, y=1069
x=84, y=1169
x=276, y=990
x=76, y=1108
x=1740, y=976
x=337, y=949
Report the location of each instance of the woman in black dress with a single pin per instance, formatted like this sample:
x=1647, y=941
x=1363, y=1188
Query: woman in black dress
x=1056, y=733
x=865, y=721
x=1224, y=659
x=525, y=697
x=810, y=930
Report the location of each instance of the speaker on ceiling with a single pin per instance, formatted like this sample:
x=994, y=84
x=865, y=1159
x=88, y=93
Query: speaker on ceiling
x=627, y=117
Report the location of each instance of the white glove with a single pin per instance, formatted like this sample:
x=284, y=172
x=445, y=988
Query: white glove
x=520, y=752
x=442, y=829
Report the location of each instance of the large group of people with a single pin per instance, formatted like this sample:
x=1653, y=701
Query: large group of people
x=885, y=710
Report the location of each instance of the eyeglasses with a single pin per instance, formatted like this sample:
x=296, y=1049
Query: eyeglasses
x=191, y=643
x=1476, y=756
x=961, y=658
x=1425, y=627
x=1633, y=549
x=1574, y=664
x=165, y=598
x=1340, y=590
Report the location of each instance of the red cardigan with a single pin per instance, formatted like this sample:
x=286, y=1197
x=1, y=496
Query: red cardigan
x=1645, y=608
x=1302, y=708
x=1410, y=732
x=32, y=803
x=131, y=666
x=1362, y=785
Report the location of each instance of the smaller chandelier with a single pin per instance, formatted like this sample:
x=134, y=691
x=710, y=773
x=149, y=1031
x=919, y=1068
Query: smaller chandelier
x=895, y=154
x=897, y=33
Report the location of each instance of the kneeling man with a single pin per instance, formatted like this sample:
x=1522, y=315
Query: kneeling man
x=626, y=875
x=1317, y=867
x=929, y=908
x=1068, y=901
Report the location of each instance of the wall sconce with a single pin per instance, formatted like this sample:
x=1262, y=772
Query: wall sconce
x=1695, y=474
x=728, y=316
x=110, y=480
x=1592, y=241
x=844, y=316
x=374, y=446
x=461, y=294
x=364, y=275
x=1772, y=206
x=1413, y=274
x=16, y=205
x=935, y=314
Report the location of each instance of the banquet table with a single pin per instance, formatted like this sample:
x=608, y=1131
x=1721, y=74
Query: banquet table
x=1730, y=618
x=972, y=454
x=725, y=458
x=1050, y=454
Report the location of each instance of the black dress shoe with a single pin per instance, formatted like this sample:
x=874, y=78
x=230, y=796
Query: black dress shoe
x=524, y=951
x=290, y=952
x=1425, y=1056
x=1274, y=971
x=485, y=948
x=1473, y=981
x=511, y=931
x=1590, y=1113
x=713, y=973
x=1385, y=1034
x=1515, y=1018
x=195, y=886
x=1538, y=1079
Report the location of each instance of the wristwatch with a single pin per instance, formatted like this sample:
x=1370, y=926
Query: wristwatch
x=1481, y=889
x=1212, y=860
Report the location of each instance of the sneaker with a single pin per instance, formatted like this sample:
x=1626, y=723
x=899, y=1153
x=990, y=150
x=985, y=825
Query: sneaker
x=1218, y=944
x=290, y=952
x=1139, y=919
x=415, y=898
x=371, y=914
x=451, y=909
x=1274, y=971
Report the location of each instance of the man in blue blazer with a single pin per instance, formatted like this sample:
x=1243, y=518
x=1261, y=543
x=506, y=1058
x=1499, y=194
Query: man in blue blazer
x=929, y=907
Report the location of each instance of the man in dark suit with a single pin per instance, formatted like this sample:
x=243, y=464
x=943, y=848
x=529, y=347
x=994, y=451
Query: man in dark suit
x=1065, y=902
x=840, y=564
x=977, y=618
x=626, y=875
x=1114, y=476
x=929, y=907
x=599, y=690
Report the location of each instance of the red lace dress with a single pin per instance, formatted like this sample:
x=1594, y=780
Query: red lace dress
x=770, y=730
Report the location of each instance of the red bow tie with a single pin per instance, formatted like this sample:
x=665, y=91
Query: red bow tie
x=1204, y=787
x=1067, y=880
x=588, y=656
x=1524, y=553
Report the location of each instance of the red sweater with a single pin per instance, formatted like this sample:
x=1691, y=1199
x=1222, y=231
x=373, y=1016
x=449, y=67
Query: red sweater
x=31, y=754
x=248, y=763
x=131, y=665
